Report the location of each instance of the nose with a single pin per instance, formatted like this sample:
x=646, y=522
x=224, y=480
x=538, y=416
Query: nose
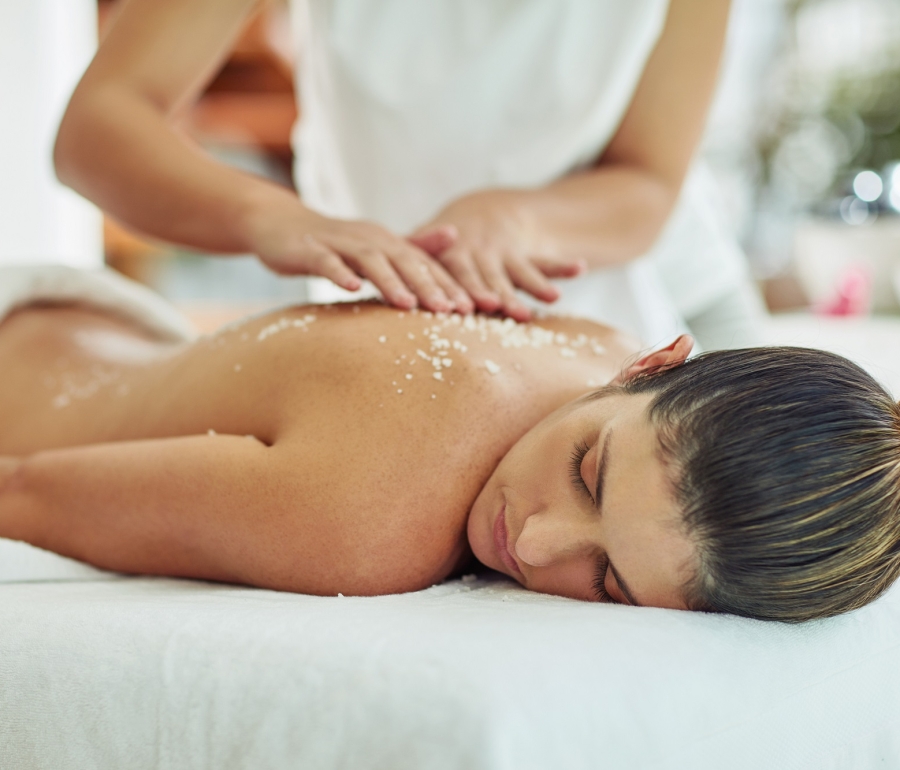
x=550, y=537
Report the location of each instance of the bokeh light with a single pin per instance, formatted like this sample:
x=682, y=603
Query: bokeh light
x=868, y=186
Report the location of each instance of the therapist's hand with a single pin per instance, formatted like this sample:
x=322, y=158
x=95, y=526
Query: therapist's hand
x=293, y=240
x=497, y=249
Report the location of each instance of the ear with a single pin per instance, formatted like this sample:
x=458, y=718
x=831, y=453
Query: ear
x=671, y=355
x=434, y=240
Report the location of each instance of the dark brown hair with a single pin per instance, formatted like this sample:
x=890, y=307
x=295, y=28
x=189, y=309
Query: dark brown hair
x=786, y=465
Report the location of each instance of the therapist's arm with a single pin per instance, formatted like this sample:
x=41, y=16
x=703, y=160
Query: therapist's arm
x=117, y=146
x=608, y=214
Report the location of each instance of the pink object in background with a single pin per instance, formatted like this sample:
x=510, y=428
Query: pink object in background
x=853, y=294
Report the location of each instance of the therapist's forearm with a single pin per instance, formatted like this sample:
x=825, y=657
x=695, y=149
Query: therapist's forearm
x=118, y=149
x=605, y=216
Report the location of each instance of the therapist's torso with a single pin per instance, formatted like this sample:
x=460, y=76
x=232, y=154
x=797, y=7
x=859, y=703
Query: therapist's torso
x=409, y=104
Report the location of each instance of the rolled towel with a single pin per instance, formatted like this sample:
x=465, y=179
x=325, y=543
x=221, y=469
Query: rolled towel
x=22, y=285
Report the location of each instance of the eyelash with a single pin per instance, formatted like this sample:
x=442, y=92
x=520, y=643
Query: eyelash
x=599, y=584
x=600, y=580
x=577, y=457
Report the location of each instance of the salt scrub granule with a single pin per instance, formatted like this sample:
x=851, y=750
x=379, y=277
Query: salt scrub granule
x=408, y=376
x=340, y=595
x=469, y=578
x=76, y=388
x=211, y=432
x=506, y=331
x=433, y=395
x=382, y=339
x=399, y=390
x=285, y=323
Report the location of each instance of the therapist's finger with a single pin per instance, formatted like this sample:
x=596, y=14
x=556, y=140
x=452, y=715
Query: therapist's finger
x=416, y=269
x=527, y=277
x=495, y=275
x=375, y=266
x=460, y=264
x=320, y=260
x=434, y=240
x=553, y=267
x=462, y=302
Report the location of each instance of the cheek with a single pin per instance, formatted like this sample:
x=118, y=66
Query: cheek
x=574, y=580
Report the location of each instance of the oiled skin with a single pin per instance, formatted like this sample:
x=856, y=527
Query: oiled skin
x=350, y=485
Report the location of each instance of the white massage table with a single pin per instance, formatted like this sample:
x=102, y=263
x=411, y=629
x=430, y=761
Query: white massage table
x=106, y=672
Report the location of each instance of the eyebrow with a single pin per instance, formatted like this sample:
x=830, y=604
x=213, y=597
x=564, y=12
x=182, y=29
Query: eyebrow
x=623, y=586
x=602, y=458
x=602, y=465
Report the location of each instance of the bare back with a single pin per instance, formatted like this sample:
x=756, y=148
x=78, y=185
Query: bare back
x=386, y=424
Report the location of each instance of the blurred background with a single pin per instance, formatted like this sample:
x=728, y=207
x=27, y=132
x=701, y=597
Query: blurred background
x=803, y=139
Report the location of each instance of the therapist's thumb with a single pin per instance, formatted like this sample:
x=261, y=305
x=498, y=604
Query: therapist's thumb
x=434, y=240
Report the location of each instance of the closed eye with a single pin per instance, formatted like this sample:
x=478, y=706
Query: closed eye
x=575, y=461
x=599, y=584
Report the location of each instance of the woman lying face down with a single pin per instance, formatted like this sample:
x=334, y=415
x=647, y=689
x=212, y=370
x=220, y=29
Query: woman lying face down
x=362, y=450
x=761, y=482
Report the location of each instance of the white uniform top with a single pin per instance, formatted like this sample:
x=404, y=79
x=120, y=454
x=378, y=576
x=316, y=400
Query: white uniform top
x=408, y=104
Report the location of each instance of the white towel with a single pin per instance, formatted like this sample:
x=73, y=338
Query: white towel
x=103, y=289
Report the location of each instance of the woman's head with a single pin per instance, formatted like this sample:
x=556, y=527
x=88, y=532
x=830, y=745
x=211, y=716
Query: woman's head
x=786, y=469
x=761, y=482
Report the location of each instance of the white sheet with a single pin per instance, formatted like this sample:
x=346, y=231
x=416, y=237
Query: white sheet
x=151, y=673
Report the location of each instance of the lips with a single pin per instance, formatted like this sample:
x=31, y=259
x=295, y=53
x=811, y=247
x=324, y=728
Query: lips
x=501, y=537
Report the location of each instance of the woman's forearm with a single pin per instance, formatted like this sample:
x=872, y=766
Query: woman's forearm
x=11, y=524
x=117, y=148
x=605, y=216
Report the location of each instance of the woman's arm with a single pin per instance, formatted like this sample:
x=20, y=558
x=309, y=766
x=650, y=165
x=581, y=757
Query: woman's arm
x=613, y=212
x=224, y=508
x=117, y=147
